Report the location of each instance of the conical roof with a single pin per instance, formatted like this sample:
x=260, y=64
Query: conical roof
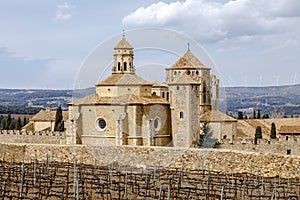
x=123, y=44
x=188, y=60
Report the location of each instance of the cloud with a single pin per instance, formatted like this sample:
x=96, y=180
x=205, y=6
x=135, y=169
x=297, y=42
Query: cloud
x=213, y=21
x=63, y=12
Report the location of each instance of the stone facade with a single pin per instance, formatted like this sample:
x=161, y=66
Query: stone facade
x=128, y=110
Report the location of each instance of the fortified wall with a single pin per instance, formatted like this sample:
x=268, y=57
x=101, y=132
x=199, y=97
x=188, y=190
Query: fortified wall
x=285, y=147
x=42, y=137
x=220, y=160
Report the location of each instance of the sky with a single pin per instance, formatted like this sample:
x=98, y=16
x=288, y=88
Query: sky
x=252, y=43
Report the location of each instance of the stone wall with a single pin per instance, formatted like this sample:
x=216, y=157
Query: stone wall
x=222, y=160
x=43, y=137
x=263, y=146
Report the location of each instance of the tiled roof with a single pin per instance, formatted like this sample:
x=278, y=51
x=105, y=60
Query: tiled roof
x=123, y=79
x=216, y=116
x=91, y=99
x=188, y=60
x=48, y=115
x=123, y=44
x=158, y=84
x=124, y=99
x=289, y=130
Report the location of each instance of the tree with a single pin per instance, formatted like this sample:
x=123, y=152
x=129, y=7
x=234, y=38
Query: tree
x=240, y=115
x=258, y=115
x=258, y=134
x=59, y=123
x=254, y=114
x=265, y=116
x=206, y=139
x=9, y=123
x=19, y=124
x=25, y=121
x=273, y=131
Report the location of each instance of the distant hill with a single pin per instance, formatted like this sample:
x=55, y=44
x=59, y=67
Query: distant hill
x=280, y=100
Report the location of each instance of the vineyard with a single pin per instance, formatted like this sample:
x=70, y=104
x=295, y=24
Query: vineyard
x=54, y=180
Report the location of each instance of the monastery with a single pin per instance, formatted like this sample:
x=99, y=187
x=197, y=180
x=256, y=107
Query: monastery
x=128, y=110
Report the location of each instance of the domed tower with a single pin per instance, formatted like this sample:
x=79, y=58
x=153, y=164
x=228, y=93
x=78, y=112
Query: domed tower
x=189, y=83
x=123, y=58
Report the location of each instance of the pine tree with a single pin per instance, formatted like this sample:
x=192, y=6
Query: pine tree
x=273, y=131
x=19, y=124
x=258, y=114
x=59, y=123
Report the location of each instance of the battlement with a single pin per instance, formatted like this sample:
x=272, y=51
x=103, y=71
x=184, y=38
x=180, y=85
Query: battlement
x=41, y=137
x=280, y=146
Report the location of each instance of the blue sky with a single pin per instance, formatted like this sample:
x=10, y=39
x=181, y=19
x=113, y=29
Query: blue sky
x=253, y=43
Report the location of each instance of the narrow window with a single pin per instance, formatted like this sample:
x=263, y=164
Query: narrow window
x=119, y=66
x=168, y=96
x=130, y=64
x=125, y=66
x=287, y=138
x=163, y=95
x=288, y=152
x=204, y=98
x=177, y=87
x=181, y=115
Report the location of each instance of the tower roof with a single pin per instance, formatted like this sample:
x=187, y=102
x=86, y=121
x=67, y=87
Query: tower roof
x=188, y=60
x=123, y=44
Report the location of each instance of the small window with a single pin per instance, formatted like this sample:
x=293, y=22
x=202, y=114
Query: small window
x=168, y=96
x=108, y=89
x=288, y=152
x=157, y=124
x=177, y=88
x=119, y=66
x=101, y=124
x=197, y=72
x=130, y=64
x=163, y=94
x=128, y=89
x=204, y=98
x=286, y=137
x=181, y=115
x=125, y=66
x=188, y=72
x=175, y=72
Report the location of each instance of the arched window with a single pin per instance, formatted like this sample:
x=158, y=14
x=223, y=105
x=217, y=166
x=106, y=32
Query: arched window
x=125, y=66
x=168, y=96
x=119, y=66
x=163, y=94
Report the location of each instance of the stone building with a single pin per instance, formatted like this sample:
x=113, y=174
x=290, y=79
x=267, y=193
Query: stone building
x=289, y=133
x=128, y=110
x=44, y=121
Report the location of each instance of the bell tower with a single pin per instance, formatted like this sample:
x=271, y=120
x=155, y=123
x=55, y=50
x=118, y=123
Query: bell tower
x=123, y=57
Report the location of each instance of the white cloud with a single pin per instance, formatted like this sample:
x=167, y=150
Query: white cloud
x=214, y=21
x=63, y=12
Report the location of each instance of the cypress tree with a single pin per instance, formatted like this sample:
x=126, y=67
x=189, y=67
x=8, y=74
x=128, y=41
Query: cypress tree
x=19, y=124
x=273, y=131
x=258, y=133
x=254, y=114
x=9, y=124
x=59, y=123
x=258, y=114
x=240, y=115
